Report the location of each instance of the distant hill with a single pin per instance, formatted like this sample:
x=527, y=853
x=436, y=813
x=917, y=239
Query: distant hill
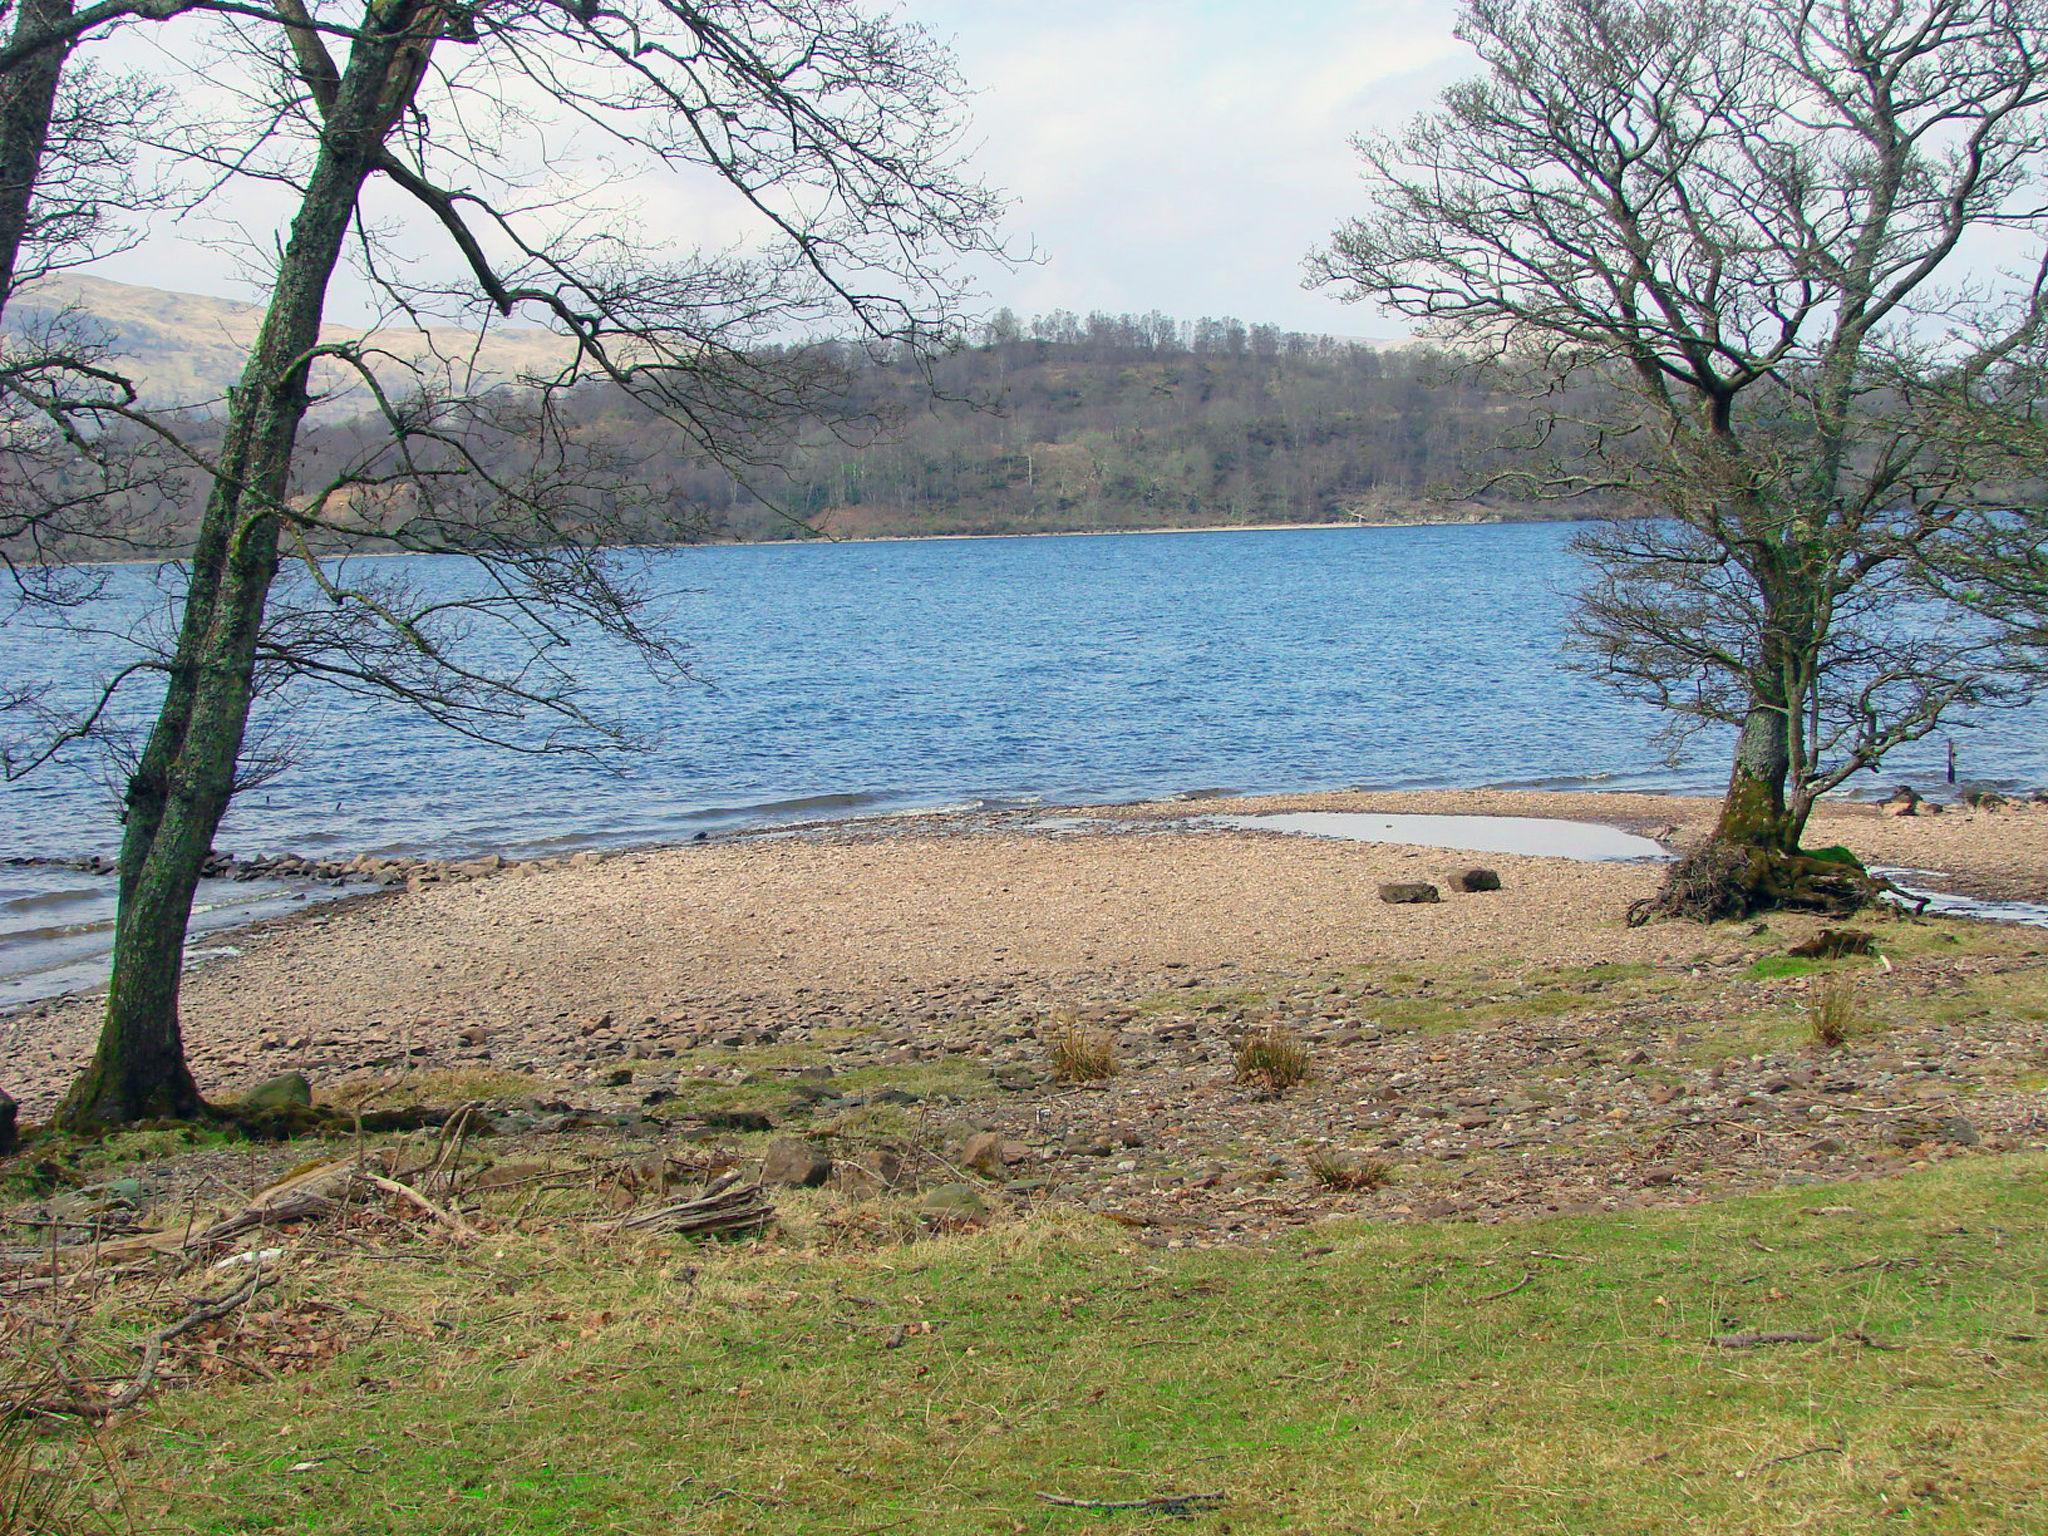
x=1060, y=424
x=185, y=349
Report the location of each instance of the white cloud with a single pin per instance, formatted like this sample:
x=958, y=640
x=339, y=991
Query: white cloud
x=1177, y=156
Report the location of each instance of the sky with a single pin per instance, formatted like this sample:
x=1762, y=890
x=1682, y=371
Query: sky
x=1180, y=155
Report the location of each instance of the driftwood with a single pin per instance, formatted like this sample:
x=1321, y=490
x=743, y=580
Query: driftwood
x=447, y=1218
x=727, y=1206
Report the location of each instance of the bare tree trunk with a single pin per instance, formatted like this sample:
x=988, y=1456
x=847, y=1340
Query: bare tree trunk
x=182, y=785
x=28, y=99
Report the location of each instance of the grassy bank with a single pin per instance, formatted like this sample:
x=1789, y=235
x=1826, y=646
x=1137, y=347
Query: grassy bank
x=1347, y=1377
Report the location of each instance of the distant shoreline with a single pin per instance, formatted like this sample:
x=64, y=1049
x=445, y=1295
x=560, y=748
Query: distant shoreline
x=1090, y=533
x=173, y=556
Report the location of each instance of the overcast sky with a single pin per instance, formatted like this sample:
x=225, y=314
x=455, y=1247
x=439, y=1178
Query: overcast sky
x=1180, y=155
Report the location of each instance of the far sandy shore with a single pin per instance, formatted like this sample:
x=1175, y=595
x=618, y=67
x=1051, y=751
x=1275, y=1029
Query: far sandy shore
x=932, y=917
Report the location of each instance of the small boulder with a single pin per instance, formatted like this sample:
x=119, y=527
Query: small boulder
x=1397, y=893
x=1834, y=943
x=795, y=1163
x=953, y=1205
x=1903, y=801
x=10, y=1136
x=983, y=1153
x=288, y=1091
x=870, y=1173
x=1474, y=880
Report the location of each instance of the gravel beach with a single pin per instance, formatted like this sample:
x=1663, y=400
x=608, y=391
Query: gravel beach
x=1514, y=1050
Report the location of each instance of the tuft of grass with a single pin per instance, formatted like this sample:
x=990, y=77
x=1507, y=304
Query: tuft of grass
x=1083, y=1055
x=429, y=1086
x=1274, y=1058
x=1832, y=1013
x=42, y=1491
x=1350, y=1172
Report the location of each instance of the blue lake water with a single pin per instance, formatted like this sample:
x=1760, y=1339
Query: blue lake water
x=838, y=678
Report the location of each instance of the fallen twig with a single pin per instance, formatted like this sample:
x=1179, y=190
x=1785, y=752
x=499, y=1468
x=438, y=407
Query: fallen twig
x=207, y=1310
x=1800, y=1336
x=1527, y=1276
x=1754, y=1340
x=1778, y=1461
x=1164, y=1503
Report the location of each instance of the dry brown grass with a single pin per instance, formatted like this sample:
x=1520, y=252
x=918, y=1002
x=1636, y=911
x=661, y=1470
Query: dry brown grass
x=1350, y=1172
x=1832, y=1012
x=1274, y=1058
x=1083, y=1055
x=41, y=1490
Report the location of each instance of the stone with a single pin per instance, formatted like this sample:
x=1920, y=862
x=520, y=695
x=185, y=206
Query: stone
x=1953, y=1130
x=953, y=1205
x=1903, y=801
x=283, y=1092
x=795, y=1163
x=1474, y=880
x=983, y=1153
x=1397, y=893
x=10, y=1136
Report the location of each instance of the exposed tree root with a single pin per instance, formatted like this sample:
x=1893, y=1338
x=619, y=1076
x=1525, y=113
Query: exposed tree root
x=1722, y=880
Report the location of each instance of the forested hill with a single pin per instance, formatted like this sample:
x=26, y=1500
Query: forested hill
x=1058, y=424
x=1138, y=422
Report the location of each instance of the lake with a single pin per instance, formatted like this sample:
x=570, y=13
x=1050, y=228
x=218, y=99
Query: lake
x=843, y=678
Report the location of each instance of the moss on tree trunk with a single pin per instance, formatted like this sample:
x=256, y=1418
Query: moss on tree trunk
x=185, y=777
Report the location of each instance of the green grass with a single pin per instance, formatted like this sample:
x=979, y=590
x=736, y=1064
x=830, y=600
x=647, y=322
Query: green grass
x=1345, y=1378
x=1772, y=967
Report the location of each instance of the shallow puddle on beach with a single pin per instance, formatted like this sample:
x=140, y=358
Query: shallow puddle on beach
x=1985, y=909
x=1538, y=836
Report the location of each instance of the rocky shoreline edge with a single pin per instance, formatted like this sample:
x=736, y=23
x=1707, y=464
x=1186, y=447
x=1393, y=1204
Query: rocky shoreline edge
x=415, y=872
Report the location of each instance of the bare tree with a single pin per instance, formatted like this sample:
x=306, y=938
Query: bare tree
x=1740, y=247
x=838, y=134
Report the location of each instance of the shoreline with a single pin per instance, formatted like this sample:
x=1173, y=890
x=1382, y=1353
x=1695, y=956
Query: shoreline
x=863, y=807
x=1964, y=852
